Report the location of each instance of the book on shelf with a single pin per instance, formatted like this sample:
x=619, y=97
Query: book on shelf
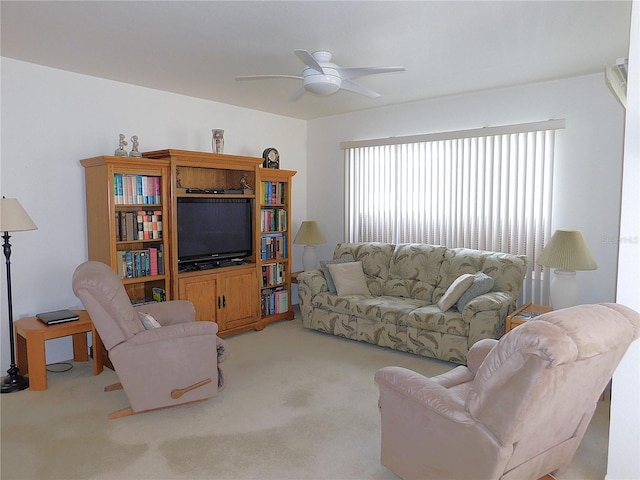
x=273, y=274
x=273, y=219
x=272, y=192
x=273, y=246
x=140, y=263
x=159, y=294
x=273, y=301
x=138, y=225
x=137, y=189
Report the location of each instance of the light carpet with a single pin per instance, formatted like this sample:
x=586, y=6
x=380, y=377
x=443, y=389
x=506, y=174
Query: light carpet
x=298, y=405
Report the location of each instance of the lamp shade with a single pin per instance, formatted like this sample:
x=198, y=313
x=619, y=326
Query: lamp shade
x=14, y=218
x=309, y=234
x=567, y=250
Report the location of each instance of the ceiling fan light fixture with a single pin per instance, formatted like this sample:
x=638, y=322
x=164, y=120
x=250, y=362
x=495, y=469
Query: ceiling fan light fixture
x=322, y=84
x=325, y=78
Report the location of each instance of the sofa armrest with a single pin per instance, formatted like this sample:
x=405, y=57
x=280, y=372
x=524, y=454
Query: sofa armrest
x=171, y=312
x=486, y=315
x=310, y=284
x=314, y=280
x=425, y=392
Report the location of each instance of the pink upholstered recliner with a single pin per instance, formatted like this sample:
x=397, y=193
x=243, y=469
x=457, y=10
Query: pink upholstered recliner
x=160, y=367
x=517, y=411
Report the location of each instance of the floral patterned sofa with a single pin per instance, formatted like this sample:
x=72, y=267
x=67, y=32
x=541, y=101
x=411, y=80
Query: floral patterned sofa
x=405, y=283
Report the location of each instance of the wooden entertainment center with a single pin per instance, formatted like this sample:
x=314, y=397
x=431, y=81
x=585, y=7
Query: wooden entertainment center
x=132, y=225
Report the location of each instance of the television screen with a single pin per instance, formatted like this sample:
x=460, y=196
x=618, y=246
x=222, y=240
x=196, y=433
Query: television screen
x=214, y=228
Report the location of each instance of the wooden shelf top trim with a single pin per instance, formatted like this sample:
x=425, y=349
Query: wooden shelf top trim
x=125, y=162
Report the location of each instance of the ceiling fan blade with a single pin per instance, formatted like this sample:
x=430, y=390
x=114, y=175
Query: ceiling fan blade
x=357, y=88
x=296, y=96
x=258, y=77
x=308, y=60
x=347, y=73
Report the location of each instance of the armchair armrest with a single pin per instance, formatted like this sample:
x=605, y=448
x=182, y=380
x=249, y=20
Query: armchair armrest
x=171, y=312
x=169, y=332
x=425, y=392
x=478, y=352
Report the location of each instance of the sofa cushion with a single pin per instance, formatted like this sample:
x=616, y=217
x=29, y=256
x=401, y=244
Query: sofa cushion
x=324, y=264
x=381, y=308
x=482, y=284
x=455, y=291
x=388, y=309
x=507, y=270
x=414, y=270
x=432, y=318
x=375, y=258
x=349, y=278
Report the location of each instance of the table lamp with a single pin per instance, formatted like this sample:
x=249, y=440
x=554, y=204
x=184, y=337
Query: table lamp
x=309, y=235
x=13, y=218
x=567, y=252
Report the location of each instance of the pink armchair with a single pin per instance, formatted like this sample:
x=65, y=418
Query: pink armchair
x=520, y=407
x=161, y=367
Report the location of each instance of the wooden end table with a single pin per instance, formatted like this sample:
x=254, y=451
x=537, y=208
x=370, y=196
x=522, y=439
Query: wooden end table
x=524, y=313
x=31, y=334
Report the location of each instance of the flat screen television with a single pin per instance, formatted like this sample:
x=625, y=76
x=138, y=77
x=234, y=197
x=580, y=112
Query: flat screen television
x=212, y=229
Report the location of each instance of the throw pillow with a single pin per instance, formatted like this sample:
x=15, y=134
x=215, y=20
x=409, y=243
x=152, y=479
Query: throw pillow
x=482, y=283
x=455, y=291
x=148, y=321
x=349, y=278
x=327, y=274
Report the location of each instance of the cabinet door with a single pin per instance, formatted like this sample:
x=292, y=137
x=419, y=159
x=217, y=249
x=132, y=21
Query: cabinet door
x=201, y=291
x=240, y=305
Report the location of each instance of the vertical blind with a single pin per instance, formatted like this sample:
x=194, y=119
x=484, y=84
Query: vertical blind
x=486, y=189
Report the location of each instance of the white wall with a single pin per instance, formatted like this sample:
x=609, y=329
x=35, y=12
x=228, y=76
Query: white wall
x=51, y=119
x=624, y=431
x=587, y=170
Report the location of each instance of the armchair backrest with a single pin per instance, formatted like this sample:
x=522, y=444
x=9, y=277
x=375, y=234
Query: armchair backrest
x=539, y=386
x=104, y=297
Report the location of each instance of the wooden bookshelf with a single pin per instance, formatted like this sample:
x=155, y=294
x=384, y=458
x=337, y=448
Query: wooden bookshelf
x=127, y=210
x=274, y=197
x=225, y=295
x=229, y=295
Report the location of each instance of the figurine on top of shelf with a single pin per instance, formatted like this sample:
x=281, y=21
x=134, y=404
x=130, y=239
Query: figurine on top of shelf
x=134, y=148
x=244, y=184
x=121, y=152
x=217, y=142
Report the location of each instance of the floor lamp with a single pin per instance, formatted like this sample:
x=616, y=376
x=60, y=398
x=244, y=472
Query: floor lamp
x=567, y=252
x=309, y=235
x=13, y=218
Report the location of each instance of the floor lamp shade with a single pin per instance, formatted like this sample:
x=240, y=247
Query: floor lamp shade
x=566, y=252
x=309, y=235
x=13, y=218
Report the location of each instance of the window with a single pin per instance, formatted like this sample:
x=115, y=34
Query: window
x=486, y=189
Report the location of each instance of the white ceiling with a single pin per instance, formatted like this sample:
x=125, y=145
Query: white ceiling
x=197, y=48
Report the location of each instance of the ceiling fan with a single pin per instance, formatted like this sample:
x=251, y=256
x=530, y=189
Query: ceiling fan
x=324, y=78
